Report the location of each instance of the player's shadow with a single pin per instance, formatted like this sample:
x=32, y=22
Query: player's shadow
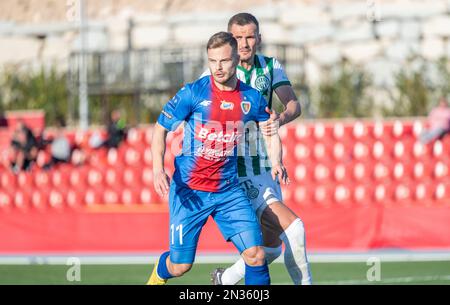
x=189, y=199
x=271, y=223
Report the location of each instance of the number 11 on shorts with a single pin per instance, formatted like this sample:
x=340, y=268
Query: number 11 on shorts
x=179, y=229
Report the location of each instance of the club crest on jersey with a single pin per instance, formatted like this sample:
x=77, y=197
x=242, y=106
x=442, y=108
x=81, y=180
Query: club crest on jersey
x=246, y=106
x=262, y=83
x=227, y=105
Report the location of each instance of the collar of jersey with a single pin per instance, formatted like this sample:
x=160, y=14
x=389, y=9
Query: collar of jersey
x=215, y=88
x=255, y=63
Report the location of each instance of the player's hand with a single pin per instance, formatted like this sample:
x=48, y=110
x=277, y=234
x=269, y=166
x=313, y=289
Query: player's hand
x=270, y=127
x=280, y=171
x=161, y=183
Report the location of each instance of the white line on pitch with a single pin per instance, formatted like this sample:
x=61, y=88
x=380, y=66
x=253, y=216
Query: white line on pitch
x=394, y=280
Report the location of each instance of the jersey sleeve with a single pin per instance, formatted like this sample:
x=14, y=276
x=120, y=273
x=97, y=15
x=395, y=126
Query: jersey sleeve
x=279, y=76
x=205, y=73
x=262, y=115
x=176, y=110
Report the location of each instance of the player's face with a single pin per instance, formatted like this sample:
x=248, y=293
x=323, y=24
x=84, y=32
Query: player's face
x=248, y=40
x=222, y=63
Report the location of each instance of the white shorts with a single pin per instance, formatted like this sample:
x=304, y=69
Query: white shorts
x=262, y=191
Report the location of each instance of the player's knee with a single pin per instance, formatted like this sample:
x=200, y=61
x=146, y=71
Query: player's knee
x=179, y=269
x=254, y=256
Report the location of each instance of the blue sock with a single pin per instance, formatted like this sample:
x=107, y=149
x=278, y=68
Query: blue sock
x=162, y=267
x=257, y=275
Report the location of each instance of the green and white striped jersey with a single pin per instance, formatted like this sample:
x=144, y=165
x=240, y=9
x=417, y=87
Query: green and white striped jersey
x=266, y=75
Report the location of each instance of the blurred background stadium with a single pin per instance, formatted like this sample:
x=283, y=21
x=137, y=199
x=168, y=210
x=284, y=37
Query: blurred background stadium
x=367, y=73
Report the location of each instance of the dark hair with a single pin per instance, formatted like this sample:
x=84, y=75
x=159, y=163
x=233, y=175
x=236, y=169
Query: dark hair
x=243, y=19
x=220, y=39
x=60, y=121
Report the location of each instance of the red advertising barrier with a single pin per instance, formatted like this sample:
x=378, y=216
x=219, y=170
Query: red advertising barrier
x=327, y=229
x=356, y=185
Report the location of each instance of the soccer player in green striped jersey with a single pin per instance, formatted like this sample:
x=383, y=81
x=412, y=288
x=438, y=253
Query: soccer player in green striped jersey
x=279, y=223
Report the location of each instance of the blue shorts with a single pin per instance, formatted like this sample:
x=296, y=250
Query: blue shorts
x=190, y=209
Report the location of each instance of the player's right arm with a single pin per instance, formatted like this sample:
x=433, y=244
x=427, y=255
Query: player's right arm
x=172, y=115
x=160, y=178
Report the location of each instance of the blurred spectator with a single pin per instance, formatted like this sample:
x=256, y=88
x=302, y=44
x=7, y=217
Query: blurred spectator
x=60, y=148
x=116, y=132
x=3, y=120
x=24, y=146
x=439, y=122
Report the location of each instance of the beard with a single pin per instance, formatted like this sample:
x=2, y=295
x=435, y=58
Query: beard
x=225, y=79
x=245, y=54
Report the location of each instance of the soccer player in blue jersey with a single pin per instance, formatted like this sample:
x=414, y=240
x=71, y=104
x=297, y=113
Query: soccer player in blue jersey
x=278, y=222
x=218, y=110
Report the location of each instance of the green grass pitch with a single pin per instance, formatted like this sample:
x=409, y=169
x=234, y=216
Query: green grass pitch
x=434, y=272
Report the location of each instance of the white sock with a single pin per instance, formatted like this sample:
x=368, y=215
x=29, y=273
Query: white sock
x=232, y=275
x=295, y=253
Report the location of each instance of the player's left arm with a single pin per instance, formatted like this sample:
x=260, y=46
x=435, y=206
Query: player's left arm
x=275, y=152
x=161, y=180
x=273, y=143
x=292, y=108
x=285, y=93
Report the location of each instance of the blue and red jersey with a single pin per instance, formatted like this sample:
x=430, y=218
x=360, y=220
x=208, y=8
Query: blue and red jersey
x=215, y=123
